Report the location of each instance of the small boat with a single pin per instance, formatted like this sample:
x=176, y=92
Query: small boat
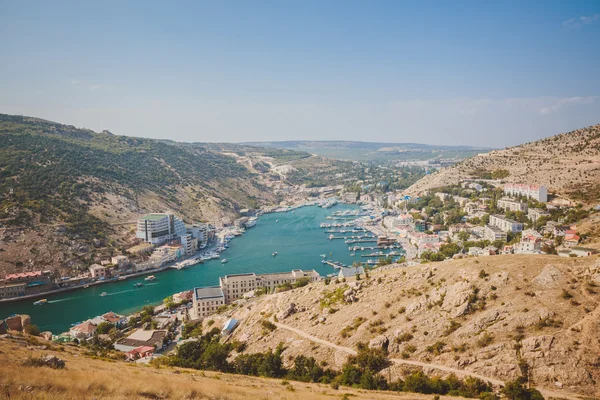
x=276, y=220
x=121, y=278
x=274, y=254
x=324, y=255
x=150, y=278
x=352, y=254
x=86, y=286
x=139, y=284
x=223, y=261
x=103, y=294
x=323, y=261
x=40, y=302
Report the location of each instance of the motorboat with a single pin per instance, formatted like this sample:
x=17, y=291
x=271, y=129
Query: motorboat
x=150, y=278
x=40, y=302
x=138, y=284
x=223, y=261
x=274, y=254
x=103, y=294
x=324, y=255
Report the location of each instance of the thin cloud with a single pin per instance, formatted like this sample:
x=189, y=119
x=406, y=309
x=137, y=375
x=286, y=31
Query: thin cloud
x=97, y=86
x=75, y=82
x=563, y=102
x=578, y=22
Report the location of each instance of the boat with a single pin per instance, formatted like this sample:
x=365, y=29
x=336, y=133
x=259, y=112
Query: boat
x=251, y=222
x=352, y=254
x=150, y=278
x=276, y=220
x=274, y=254
x=103, y=294
x=138, y=284
x=223, y=261
x=40, y=302
x=86, y=286
x=121, y=278
x=324, y=255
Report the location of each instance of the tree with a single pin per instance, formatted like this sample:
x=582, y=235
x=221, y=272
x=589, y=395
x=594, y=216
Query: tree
x=463, y=235
x=104, y=327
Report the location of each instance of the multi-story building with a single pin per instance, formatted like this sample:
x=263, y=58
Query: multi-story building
x=167, y=253
x=506, y=224
x=536, y=213
x=404, y=219
x=189, y=243
x=200, y=232
x=97, y=271
x=159, y=228
x=493, y=233
x=508, y=204
x=536, y=192
x=207, y=300
x=529, y=244
x=8, y=290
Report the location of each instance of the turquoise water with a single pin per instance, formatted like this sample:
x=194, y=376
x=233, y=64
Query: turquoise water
x=296, y=237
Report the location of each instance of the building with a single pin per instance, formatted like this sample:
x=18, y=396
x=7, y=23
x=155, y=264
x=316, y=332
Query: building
x=506, y=224
x=577, y=252
x=404, y=219
x=536, y=192
x=159, y=228
x=529, y=244
x=536, y=213
x=508, y=204
x=350, y=272
x=207, y=300
x=117, y=260
x=97, y=271
x=189, y=243
x=493, y=233
x=8, y=290
x=140, y=352
x=442, y=196
x=84, y=330
x=32, y=278
x=200, y=232
x=141, y=338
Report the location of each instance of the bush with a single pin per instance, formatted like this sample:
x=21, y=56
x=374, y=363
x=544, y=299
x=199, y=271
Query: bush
x=32, y=330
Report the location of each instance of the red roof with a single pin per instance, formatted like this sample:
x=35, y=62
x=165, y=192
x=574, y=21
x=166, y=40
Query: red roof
x=111, y=317
x=141, y=350
x=85, y=327
x=22, y=275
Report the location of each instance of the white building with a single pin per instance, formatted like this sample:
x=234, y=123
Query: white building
x=508, y=204
x=506, y=224
x=159, y=228
x=404, y=219
x=97, y=271
x=200, y=232
x=536, y=192
x=493, y=233
x=189, y=243
x=529, y=244
x=207, y=300
x=536, y=213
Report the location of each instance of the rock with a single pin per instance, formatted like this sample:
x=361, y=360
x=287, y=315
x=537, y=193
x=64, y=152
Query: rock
x=321, y=319
x=380, y=342
x=46, y=335
x=537, y=346
x=53, y=362
x=287, y=312
x=550, y=276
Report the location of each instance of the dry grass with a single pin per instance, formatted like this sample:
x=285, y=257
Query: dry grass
x=85, y=378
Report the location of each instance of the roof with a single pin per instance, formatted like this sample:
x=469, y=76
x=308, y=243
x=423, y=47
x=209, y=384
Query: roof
x=22, y=275
x=85, y=327
x=152, y=338
x=208, y=292
x=111, y=317
x=153, y=217
x=594, y=251
x=229, y=325
x=141, y=350
x=348, y=272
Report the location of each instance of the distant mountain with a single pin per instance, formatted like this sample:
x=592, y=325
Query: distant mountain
x=374, y=151
x=568, y=164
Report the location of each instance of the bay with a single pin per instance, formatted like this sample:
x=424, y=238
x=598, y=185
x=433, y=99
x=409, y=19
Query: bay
x=295, y=236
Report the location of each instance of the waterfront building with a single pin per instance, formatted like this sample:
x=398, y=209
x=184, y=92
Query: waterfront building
x=536, y=192
x=493, y=233
x=8, y=290
x=200, y=232
x=159, y=228
x=506, y=224
x=189, y=243
x=97, y=271
x=206, y=300
x=30, y=278
x=508, y=204
x=117, y=260
x=84, y=330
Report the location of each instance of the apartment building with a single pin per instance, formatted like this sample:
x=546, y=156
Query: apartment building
x=159, y=228
x=536, y=192
x=506, y=224
x=207, y=300
x=200, y=232
x=189, y=243
x=97, y=271
x=508, y=204
x=8, y=290
x=493, y=233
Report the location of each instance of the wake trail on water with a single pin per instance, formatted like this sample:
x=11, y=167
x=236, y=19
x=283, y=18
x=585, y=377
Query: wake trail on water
x=61, y=300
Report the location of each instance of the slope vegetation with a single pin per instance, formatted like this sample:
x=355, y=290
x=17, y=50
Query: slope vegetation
x=496, y=318
x=568, y=164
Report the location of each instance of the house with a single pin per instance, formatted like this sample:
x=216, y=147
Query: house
x=84, y=330
x=475, y=251
x=560, y=230
x=529, y=244
x=117, y=260
x=571, y=239
x=97, y=271
x=183, y=296
x=460, y=200
x=112, y=317
x=141, y=338
x=12, y=289
x=350, y=272
x=583, y=251
x=493, y=233
x=139, y=352
x=404, y=219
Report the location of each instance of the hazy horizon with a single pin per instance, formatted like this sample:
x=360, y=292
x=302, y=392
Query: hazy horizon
x=466, y=73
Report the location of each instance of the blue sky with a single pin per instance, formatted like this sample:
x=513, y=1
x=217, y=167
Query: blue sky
x=437, y=72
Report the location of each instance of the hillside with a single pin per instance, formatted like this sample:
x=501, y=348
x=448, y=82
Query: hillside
x=92, y=378
x=66, y=193
x=489, y=317
x=568, y=164
x=373, y=151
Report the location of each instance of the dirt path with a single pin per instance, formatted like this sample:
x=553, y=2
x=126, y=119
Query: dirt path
x=459, y=372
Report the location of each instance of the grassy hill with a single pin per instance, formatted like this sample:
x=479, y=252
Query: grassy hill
x=499, y=317
x=374, y=151
x=568, y=164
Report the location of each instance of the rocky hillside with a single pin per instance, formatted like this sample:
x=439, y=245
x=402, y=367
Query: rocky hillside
x=568, y=164
x=496, y=318
x=66, y=194
x=26, y=373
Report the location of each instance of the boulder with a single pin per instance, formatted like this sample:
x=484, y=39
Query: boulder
x=46, y=335
x=550, y=276
x=380, y=342
x=291, y=308
x=53, y=362
x=14, y=323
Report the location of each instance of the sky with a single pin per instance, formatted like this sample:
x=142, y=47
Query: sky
x=437, y=72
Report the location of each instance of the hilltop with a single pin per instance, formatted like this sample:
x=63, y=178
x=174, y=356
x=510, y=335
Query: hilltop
x=495, y=318
x=374, y=151
x=87, y=377
x=568, y=164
